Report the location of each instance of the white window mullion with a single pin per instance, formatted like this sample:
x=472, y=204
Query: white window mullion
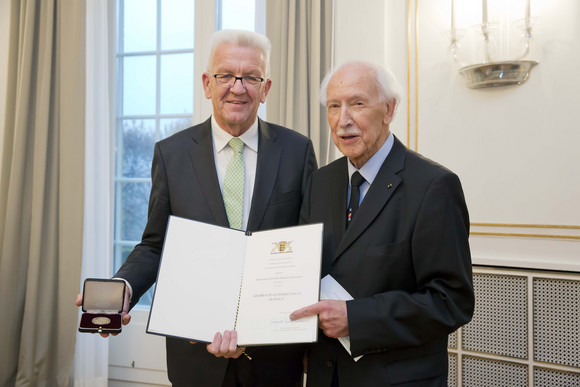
x=205, y=25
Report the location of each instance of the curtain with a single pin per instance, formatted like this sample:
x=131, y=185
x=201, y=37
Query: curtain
x=91, y=360
x=301, y=34
x=41, y=194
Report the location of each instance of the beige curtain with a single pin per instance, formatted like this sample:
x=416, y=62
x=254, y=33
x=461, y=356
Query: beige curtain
x=41, y=194
x=300, y=31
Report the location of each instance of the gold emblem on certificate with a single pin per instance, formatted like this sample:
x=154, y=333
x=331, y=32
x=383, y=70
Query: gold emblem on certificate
x=101, y=321
x=282, y=247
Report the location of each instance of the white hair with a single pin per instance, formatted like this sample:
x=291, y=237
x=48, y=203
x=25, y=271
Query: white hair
x=387, y=85
x=244, y=39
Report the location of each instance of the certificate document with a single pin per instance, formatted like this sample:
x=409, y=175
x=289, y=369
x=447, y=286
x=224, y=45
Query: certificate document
x=213, y=279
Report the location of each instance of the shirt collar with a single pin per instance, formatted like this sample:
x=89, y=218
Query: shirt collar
x=221, y=137
x=371, y=168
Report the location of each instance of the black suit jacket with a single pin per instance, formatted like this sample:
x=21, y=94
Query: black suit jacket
x=405, y=259
x=185, y=184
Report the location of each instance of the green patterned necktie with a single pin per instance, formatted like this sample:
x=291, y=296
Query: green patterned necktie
x=233, y=193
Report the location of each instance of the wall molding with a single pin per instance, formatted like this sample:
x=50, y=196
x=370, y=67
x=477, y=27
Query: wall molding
x=571, y=232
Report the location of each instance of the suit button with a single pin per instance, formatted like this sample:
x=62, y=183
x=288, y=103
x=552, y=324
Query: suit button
x=329, y=363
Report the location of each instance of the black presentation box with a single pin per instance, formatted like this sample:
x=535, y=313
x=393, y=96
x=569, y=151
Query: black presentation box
x=102, y=305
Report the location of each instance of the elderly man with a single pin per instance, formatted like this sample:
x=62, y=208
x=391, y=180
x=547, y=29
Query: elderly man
x=395, y=237
x=232, y=170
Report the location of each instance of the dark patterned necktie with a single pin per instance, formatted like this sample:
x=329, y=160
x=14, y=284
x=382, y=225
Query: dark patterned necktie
x=355, y=181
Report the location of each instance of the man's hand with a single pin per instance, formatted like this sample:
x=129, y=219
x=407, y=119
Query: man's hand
x=332, y=317
x=125, y=314
x=226, y=345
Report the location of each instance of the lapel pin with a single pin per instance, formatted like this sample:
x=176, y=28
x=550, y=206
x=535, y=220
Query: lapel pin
x=390, y=185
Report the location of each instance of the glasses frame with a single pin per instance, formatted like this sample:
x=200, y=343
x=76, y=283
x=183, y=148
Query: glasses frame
x=242, y=79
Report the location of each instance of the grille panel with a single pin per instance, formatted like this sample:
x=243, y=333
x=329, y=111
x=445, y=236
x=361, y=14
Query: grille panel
x=556, y=321
x=548, y=378
x=525, y=331
x=500, y=322
x=452, y=340
x=485, y=373
x=452, y=375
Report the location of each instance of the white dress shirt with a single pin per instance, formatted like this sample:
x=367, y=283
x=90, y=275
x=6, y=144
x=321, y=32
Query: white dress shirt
x=223, y=153
x=371, y=168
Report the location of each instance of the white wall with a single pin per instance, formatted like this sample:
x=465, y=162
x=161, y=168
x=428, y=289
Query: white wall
x=515, y=148
x=4, y=31
x=522, y=140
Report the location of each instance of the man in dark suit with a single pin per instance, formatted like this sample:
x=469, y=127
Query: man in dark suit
x=400, y=246
x=190, y=172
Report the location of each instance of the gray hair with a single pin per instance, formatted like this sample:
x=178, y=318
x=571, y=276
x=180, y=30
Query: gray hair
x=244, y=39
x=387, y=85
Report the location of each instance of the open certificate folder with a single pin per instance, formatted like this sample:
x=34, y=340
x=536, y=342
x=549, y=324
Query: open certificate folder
x=213, y=279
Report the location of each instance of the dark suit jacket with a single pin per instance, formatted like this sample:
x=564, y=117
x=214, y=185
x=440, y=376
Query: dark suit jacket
x=185, y=184
x=405, y=259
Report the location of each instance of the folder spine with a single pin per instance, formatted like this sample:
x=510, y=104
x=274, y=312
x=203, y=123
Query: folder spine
x=238, y=304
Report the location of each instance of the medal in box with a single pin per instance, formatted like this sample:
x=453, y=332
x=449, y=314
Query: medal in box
x=102, y=305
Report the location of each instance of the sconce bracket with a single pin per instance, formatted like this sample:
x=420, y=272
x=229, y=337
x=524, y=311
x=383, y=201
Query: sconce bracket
x=496, y=74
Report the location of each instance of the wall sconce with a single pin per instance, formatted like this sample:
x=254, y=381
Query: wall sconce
x=493, y=73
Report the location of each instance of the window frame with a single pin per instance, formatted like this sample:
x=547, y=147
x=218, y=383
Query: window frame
x=203, y=28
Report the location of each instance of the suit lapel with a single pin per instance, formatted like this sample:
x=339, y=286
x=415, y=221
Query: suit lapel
x=379, y=193
x=203, y=162
x=339, y=182
x=269, y=154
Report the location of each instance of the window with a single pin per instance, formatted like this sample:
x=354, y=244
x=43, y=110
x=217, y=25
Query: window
x=237, y=14
x=156, y=85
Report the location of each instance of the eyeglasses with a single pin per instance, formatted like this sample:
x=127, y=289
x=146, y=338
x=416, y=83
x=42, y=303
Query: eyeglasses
x=229, y=80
